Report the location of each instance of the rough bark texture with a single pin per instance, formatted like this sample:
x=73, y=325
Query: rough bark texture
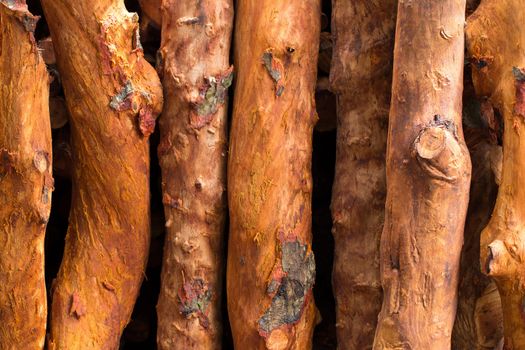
x=363, y=33
x=496, y=43
x=25, y=179
x=428, y=174
x=195, y=55
x=478, y=322
x=113, y=96
x=271, y=267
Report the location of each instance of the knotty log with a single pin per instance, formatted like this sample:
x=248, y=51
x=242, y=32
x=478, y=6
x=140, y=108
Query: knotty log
x=361, y=78
x=428, y=174
x=496, y=44
x=25, y=179
x=113, y=96
x=271, y=268
x=196, y=76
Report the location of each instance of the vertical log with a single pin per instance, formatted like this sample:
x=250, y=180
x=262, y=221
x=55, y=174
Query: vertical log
x=271, y=268
x=496, y=43
x=25, y=179
x=361, y=72
x=195, y=56
x=113, y=96
x=428, y=174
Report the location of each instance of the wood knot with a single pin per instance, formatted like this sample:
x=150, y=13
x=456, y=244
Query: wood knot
x=439, y=153
x=430, y=142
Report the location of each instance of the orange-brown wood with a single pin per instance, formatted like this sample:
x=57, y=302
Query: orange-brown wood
x=271, y=268
x=496, y=44
x=428, y=175
x=25, y=179
x=113, y=96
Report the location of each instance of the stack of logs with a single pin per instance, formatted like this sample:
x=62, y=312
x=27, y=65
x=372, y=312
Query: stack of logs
x=428, y=254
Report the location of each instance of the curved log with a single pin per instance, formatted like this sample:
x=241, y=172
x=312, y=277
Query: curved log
x=113, y=96
x=496, y=42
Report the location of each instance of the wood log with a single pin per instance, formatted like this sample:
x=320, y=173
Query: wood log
x=496, y=44
x=271, y=267
x=361, y=73
x=428, y=175
x=479, y=319
x=113, y=96
x=26, y=182
x=151, y=12
x=192, y=153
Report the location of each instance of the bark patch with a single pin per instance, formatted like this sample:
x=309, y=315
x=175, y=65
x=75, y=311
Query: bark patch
x=289, y=290
x=212, y=96
x=275, y=69
x=41, y=161
x=146, y=121
x=27, y=20
x=171, y=202
x=194, y=298
x=122, y=100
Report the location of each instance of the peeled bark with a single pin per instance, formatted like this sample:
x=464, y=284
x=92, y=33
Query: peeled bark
x=496, y=42
x=428, y=174
x=478, y=324
x=271, y=268
x=361, y=73
x=26, y=182
x=113, y=96
x=195, y=54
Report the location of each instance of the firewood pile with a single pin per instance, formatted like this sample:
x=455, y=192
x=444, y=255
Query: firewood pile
x=279, y=175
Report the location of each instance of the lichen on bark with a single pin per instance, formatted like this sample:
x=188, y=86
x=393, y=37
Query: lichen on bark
x=212, y=96
x=291, y=289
